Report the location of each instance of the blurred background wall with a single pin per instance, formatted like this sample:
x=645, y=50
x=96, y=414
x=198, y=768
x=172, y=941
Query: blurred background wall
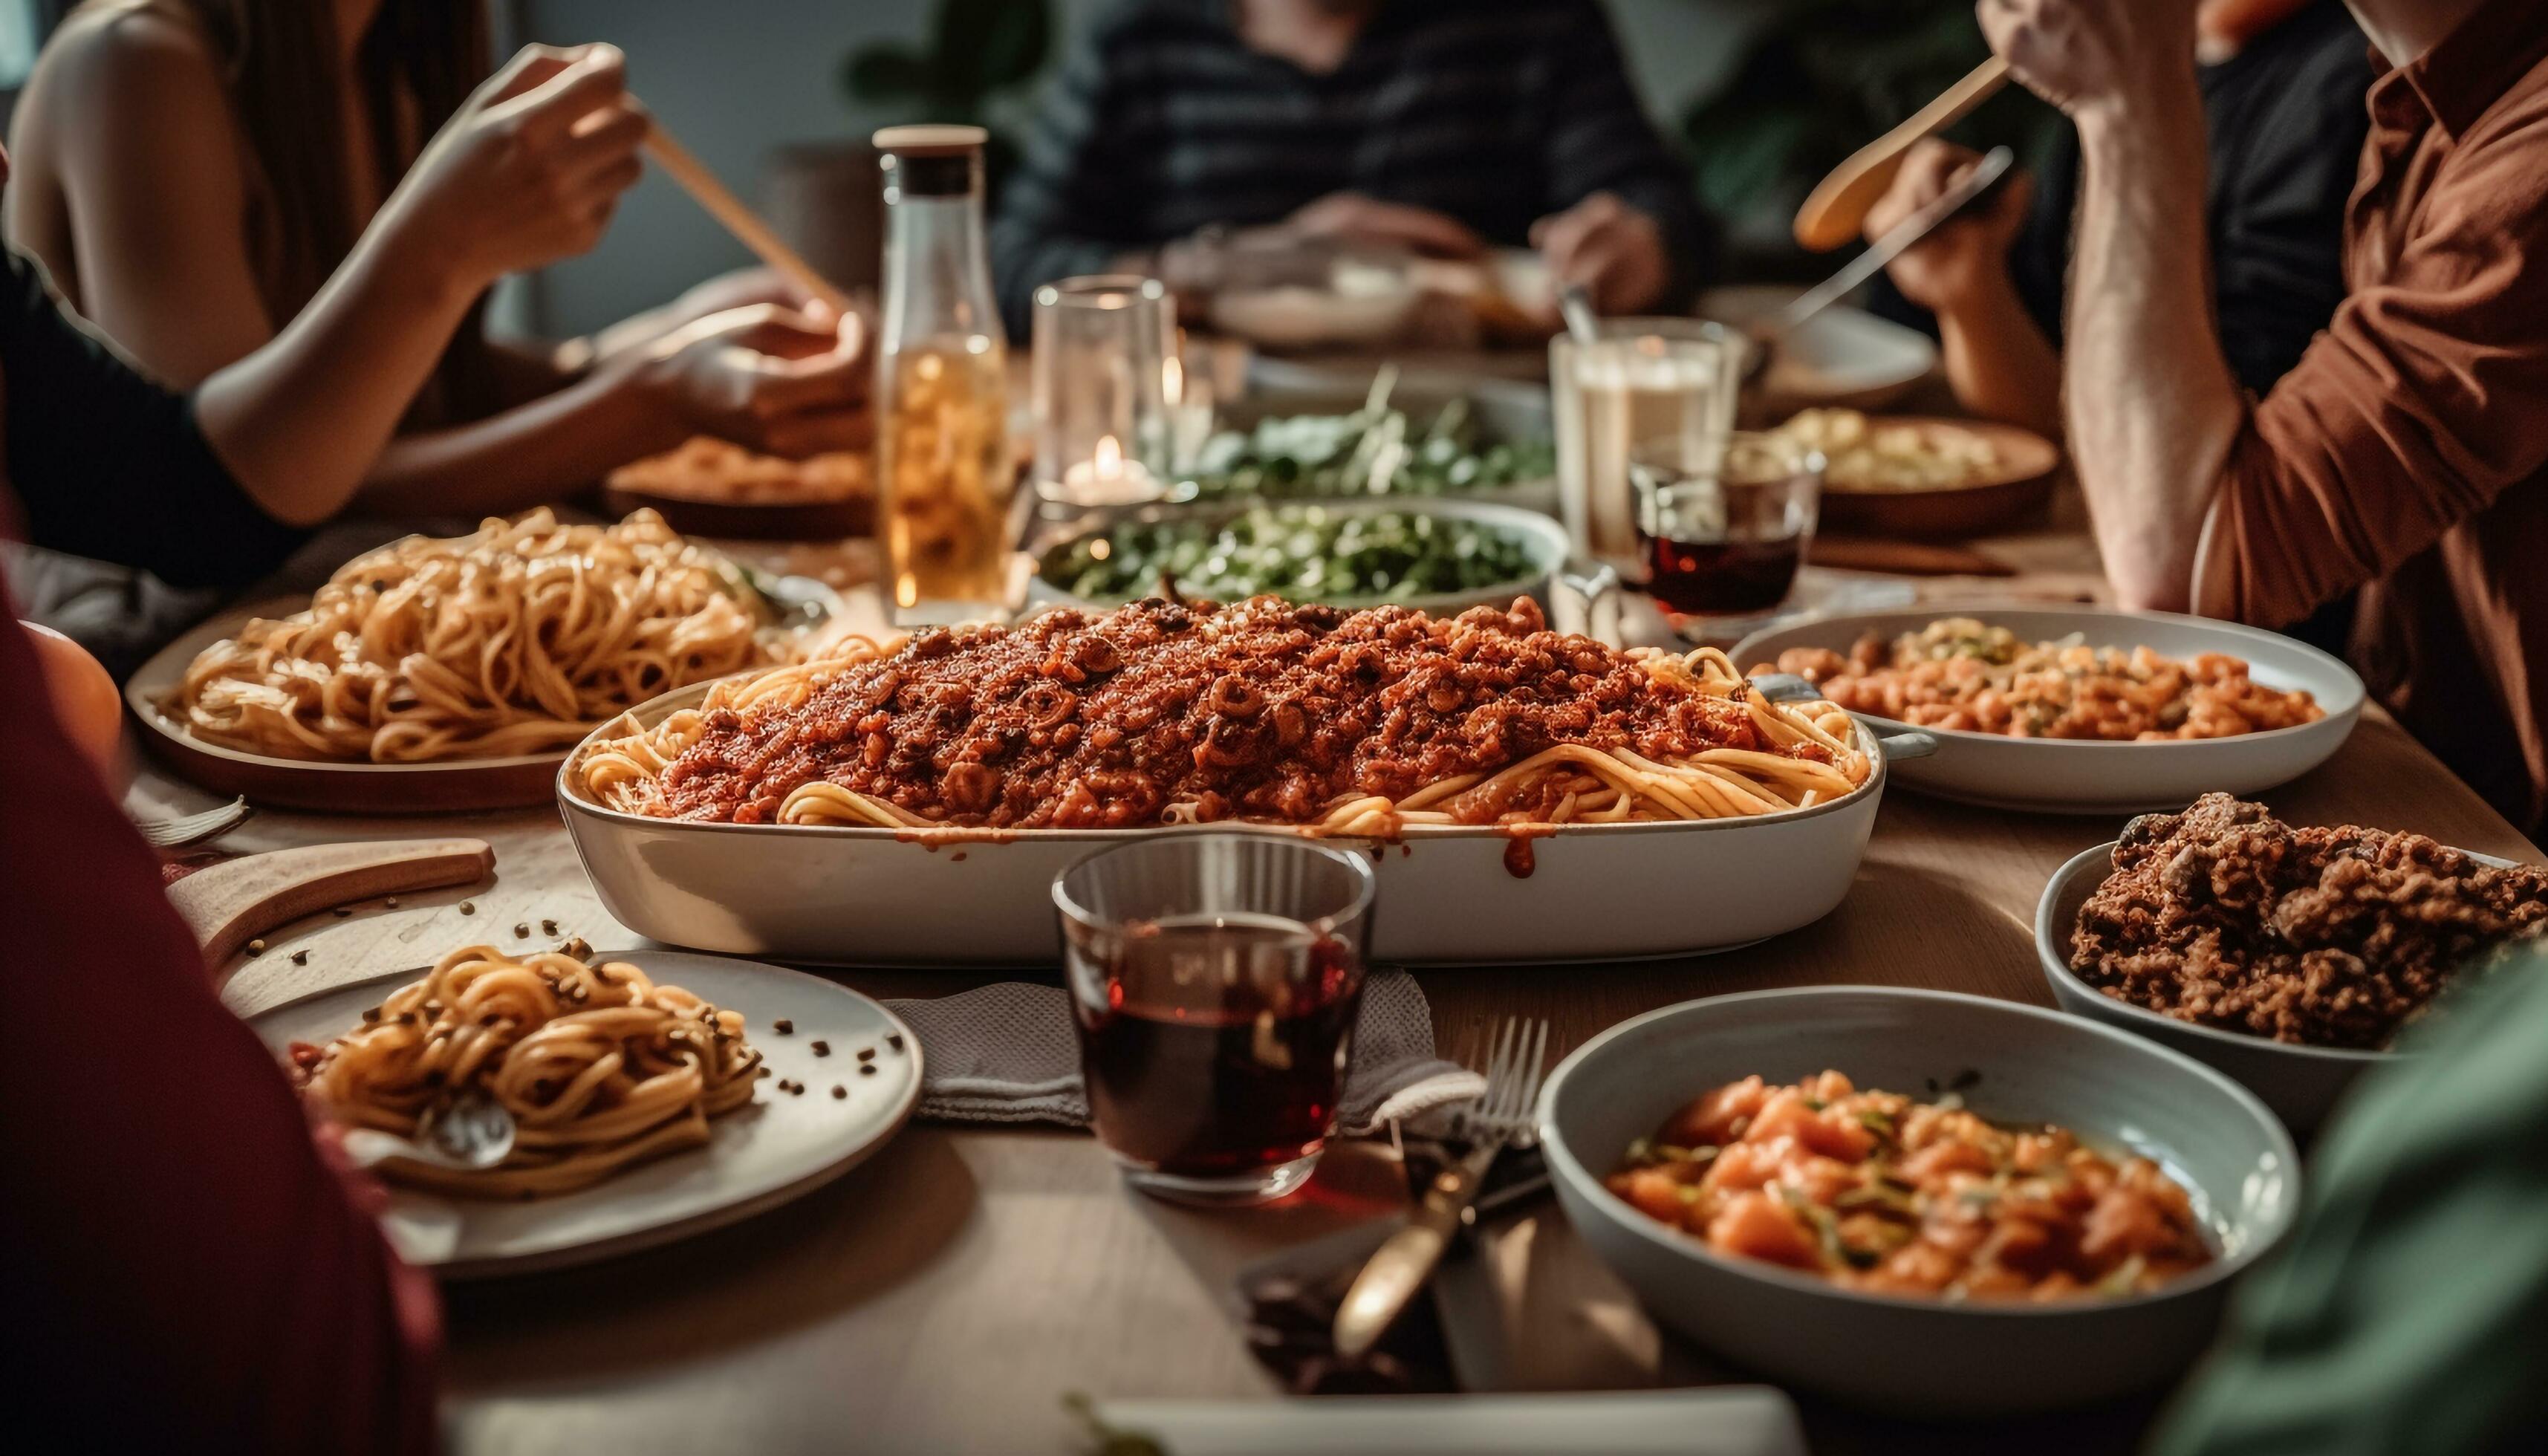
x=1763, y=95
x=737, y=79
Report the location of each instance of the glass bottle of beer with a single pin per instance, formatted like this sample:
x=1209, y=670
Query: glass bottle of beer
x=944, y=471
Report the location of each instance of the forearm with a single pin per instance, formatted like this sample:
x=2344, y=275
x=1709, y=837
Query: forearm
x=2151, y=405
x=300, y=422
x=528, y=454
x=1998, y=362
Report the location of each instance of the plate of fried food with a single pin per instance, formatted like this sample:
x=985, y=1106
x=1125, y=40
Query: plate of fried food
x=1917, y=476
x=648, y=1096
x=716, y=488
x=2289, y=956
x=452, y=674
x=1924, y=1203
x=2074, y=710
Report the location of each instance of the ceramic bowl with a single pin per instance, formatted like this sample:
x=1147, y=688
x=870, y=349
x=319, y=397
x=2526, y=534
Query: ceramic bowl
x=2302, y=1084
x=1543, y=542
x=2061, y=776
x=1905, y=1355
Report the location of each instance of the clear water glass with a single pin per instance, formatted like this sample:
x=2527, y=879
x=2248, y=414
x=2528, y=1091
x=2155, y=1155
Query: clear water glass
x=1105, y=358
x=1643, y=384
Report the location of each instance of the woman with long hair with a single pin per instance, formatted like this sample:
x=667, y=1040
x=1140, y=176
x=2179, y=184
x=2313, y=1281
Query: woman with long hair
x=191, y=173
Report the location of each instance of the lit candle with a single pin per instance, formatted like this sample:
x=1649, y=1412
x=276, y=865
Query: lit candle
x=1107, y=477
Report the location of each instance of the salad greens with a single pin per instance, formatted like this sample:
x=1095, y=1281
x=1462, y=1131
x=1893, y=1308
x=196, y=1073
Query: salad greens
x=1304, y=552
x=1376, y=450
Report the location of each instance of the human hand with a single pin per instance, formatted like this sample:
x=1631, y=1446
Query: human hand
x=2093, y=57
x=1965, y=253
x=770, y=379
x=741, y=289
x=1350, y=216
x=1614, y=250
x=526, y=172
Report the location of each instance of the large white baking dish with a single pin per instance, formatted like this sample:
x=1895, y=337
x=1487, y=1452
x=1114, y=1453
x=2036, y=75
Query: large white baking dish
x=881, y=896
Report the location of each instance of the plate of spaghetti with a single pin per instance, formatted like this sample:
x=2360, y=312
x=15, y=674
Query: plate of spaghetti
x=654, y=1094
x=1530, y=793
x=2077, y=709
x=454, y=673
x=715, y=488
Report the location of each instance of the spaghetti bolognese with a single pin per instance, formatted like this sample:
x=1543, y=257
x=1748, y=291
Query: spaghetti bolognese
x=601, y=1068
x=514, y=639
x=1164, y=712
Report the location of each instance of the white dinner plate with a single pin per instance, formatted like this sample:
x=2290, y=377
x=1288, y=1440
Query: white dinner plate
x=2057, y=775
x=1841, y=356
x=758, y=1157
x=1720, y=1421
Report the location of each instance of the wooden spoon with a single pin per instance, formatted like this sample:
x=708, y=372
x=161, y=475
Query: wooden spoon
x=740, y=220
x=1837, y=209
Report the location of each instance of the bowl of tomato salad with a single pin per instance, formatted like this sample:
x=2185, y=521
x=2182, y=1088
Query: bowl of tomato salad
x=1914, y=1201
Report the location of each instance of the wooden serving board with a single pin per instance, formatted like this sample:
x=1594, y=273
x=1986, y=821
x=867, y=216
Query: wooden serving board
x=229, y=904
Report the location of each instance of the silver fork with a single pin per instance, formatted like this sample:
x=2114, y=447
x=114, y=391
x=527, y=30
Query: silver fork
x=190, y=829
x=1499, y=1118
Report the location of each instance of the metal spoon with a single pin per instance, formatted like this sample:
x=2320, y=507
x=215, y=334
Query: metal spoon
x=473, y=1134
x=1575, y=304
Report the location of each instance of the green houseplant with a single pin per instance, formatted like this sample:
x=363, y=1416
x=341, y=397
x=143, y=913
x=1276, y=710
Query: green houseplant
x=975, y=66
x=1817, y=81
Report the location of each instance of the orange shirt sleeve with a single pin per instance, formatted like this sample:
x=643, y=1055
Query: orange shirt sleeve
x=2425, y=400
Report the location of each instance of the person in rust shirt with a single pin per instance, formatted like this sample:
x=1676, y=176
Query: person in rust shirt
x=2407, y=454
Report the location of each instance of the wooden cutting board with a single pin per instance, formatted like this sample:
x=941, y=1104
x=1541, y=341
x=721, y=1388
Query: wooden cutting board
x=229, y=904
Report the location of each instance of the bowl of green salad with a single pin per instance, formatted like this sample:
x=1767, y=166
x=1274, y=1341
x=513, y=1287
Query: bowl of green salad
x=1438, y=556
x=1390, y=443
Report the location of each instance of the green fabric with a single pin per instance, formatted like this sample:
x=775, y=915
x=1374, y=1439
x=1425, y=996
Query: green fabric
x=2409, y=1310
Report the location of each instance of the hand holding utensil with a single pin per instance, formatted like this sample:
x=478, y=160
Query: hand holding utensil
x=1976, y=180
x=1501, y=1117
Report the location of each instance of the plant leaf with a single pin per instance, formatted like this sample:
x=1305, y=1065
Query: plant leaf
x=886, y=72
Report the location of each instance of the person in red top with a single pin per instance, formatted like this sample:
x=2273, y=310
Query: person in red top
x=188, y=1269
x=2405, y=457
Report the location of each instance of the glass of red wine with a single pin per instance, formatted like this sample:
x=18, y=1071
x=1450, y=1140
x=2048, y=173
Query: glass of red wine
x=1722, y=526
x=1215, y=980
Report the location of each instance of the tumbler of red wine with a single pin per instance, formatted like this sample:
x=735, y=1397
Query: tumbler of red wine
x=1214, y=980
x=1722, y=526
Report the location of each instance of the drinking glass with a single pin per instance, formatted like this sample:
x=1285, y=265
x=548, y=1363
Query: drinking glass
x=1105, y=349
x=1643, y=384
x=1214, y=980
x=1722, y=530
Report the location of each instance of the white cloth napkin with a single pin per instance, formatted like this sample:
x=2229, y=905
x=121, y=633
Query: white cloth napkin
x=1008, y=1053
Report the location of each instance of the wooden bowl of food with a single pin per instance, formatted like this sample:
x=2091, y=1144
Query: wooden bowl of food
x=717, y=488
x=1924, y=477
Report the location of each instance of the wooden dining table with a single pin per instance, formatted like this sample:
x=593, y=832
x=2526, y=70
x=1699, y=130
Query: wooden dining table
x=946, y=1294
